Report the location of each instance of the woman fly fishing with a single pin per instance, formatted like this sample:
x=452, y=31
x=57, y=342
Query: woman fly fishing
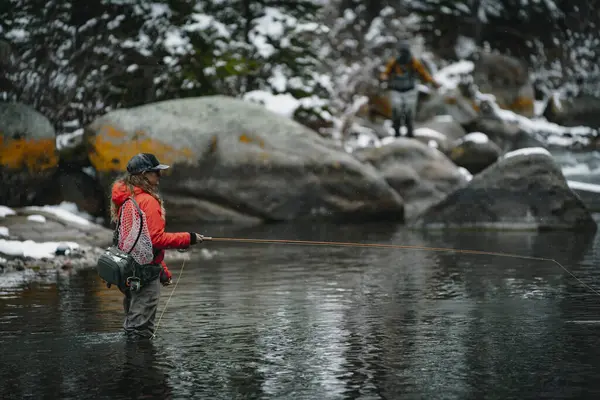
x=139, y=213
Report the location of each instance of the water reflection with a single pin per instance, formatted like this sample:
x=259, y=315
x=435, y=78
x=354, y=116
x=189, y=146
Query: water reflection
x=293, y=322
x=141, y=375
x=530, y=278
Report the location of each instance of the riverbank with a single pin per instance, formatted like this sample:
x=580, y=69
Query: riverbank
x=39, y=243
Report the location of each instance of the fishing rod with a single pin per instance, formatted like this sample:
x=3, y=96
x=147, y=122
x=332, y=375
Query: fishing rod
x=372, y=245
x=396, y=246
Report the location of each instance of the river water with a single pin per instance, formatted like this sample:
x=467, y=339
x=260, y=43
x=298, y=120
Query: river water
x=251, y=321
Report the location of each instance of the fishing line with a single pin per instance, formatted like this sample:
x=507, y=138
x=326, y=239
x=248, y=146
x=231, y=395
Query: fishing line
x=398, y=246
x=374, y=245
x=169, y=299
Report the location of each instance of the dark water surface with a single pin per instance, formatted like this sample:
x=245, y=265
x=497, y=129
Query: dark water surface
x=294, y=322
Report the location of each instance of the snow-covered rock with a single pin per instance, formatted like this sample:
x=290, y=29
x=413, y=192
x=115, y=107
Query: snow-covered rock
x=475, y=152
x=422, y=175
x=41, y=239
x=55, y=224
x=525, y=189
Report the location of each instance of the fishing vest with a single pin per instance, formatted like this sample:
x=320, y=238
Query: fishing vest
x=404, y=81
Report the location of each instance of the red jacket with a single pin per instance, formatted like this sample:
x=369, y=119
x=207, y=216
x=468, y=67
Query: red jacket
x=161, y=240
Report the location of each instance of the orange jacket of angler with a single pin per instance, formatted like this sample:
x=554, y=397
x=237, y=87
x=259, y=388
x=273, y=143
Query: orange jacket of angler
x=393, y=66
x=161, y=240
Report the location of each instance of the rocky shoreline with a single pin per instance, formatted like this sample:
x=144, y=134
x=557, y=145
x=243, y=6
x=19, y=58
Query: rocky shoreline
x=471, y=164
x=43, y=239
x=36, y=243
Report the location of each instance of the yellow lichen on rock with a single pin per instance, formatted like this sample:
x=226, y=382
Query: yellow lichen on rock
x=247, y=139
x=456, y=153
x=111, y=149
x=523, y=105
x=450, y=100
x=28, y=154
x=213, y=145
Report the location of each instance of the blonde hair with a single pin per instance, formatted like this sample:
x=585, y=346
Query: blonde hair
x=132, y=181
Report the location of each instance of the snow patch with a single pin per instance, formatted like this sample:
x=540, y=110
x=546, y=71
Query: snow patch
x=539, y=124
x=4, y=231
x=204, y=22
x=31, y=249
x=588, y=187
x=465, y=46
x=451, y=75
x=69, y=140
x=176, y=43
x=17, y=34
x=579, y=169
x=388, y=140
x=528, y=151
x=476, y=137
x=363, y=137
x=278, y=80
x=541, y=128
x=158, y=10
x=538, y=107
x=271, y=26
x=283, y=104
x=65, y=211
x=444, y=118
x=465, y=172
x=5, y=211
x=37, y=218
x=429, y=133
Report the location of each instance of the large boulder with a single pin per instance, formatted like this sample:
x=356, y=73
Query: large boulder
x=501, y=132
x=236, y=161
x=28, y=158
x=475, y=152
x=508, y=130
x=582, y=109
x=447, y=102
x=442, y=129
x=507, y=79
x=446, y=125
x=422, y=175
x=512, y=131
x=525, y=189
x=82, y=189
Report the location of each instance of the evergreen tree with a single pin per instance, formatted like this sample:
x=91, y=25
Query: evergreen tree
x=234, y=51
x=72, y=56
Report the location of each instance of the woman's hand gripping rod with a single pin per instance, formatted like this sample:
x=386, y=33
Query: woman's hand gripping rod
x=200, y=238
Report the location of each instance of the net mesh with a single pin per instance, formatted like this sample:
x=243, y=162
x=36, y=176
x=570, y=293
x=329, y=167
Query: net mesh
x=129, y=229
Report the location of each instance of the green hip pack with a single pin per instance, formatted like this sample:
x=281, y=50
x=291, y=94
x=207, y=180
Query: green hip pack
x=117, y=267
